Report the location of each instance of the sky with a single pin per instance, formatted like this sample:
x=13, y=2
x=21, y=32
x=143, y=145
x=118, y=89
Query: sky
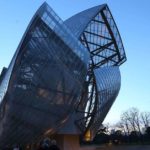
x=133, y=20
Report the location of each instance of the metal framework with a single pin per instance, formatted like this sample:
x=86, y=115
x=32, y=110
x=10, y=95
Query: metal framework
x=103, y=41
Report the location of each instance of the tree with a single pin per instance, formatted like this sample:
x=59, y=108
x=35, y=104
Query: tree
x=125, y=122
x=102, y=135
x=105, y=128
x=131, y=120
x=148, y=131
x=135, y=118
x=120, y=126
x=145, y=118
x=130, y=125
x=116, y=137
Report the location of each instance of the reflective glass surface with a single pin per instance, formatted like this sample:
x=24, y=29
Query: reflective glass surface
x=43, y=82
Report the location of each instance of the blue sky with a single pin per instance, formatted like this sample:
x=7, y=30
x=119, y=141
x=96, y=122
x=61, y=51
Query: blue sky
x=133, y=20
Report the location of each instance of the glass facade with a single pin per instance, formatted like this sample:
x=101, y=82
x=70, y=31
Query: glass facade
x=44, y=80
x=108, y=83
x=61, y=76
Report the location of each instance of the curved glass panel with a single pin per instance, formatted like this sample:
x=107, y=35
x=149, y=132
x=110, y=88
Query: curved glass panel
x=108, y=83
x=79, y=22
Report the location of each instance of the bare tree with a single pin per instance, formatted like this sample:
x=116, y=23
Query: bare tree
x=125, y=122
x=135, y=115
x=145, y=118
x=131, y=120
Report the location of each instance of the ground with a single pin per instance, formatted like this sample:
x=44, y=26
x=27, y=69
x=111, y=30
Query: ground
x=139, y=147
